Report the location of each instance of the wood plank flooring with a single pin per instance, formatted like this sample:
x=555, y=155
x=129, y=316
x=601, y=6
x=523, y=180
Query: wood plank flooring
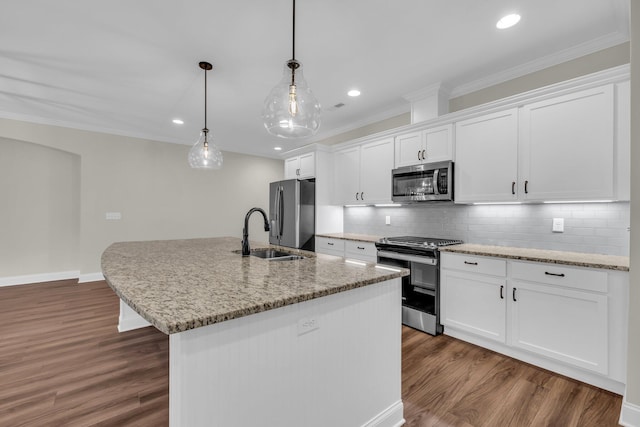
x=63, y=363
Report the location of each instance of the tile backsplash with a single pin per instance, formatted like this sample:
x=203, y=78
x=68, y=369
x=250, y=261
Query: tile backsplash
x=588, y=227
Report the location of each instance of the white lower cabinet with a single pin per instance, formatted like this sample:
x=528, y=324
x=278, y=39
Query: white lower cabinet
x=571, y=320
x=351, y=249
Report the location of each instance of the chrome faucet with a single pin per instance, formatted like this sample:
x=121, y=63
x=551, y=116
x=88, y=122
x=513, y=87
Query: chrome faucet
x=245, y=230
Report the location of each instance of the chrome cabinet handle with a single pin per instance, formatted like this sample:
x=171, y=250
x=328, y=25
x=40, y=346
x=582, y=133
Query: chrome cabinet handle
x=526, y=187
x=502, y=292
x=513, y=187
x=514, y=295
x=554, y=274
x=471, y=263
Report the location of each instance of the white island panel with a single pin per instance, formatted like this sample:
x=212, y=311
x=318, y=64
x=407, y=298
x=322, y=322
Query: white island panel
x=330, y=361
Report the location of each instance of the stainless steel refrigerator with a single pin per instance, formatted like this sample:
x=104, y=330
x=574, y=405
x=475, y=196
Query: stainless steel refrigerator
x=292, y=213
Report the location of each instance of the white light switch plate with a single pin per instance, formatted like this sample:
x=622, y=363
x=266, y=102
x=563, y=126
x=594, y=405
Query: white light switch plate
x=558, y=225
x=387, y=219
x=113, y=215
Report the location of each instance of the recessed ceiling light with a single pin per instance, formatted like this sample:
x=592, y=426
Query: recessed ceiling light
x=178, y=121
x=508, y=21
x=277, y=148
x=353, y=92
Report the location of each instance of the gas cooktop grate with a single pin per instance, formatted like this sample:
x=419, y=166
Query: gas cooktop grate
x=419, y=241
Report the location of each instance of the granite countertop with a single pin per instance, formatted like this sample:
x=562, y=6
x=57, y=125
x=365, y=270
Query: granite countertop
x=609, y=262
x=178, y=285
x=351, y=236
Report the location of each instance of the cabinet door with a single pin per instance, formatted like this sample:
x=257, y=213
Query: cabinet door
x=376, y=163
x=307, y=168
x=568, y=147
x=563, y=324
x=438, y=143
x=347, y=176
x=291, y=167
x=408, y=149
x=486, y=166
x=473, y=303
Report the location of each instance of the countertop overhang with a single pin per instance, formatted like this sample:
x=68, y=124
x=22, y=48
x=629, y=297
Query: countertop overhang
x=179, y=285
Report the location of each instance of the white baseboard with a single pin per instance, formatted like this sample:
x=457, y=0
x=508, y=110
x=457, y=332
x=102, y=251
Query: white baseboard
x=390, y=417
x=90, y=277
x=630, y=414
x=37, y=278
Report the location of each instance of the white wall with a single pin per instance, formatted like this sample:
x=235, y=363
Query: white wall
x=149, y=183
x=633, y=354
x=40, y=209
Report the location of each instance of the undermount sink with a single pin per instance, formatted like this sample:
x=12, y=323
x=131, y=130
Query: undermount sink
x=275, y=255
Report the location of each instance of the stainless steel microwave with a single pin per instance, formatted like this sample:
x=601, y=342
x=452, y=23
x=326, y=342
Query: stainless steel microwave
x=422, y=183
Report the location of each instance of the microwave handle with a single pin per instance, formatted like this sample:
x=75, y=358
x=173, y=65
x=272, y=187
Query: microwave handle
x=435, y=181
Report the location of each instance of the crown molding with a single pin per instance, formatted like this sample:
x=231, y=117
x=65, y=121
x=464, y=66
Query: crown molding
x=565, y=55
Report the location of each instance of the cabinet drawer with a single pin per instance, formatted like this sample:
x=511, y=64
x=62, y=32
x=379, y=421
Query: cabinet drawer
x=475, y=264
x=554, y=274
x=330, y=246
x=361, y=250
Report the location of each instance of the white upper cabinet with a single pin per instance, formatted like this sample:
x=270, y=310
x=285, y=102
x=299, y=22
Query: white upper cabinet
x=363, y=173
x=429, y=145
x=300, y=167
x=567, y=147
x=376, y=163
x=486, y=167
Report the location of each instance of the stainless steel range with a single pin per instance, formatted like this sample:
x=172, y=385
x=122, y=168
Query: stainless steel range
x=421, y=289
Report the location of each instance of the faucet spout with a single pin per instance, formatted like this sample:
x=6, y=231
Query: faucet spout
x=245, y=231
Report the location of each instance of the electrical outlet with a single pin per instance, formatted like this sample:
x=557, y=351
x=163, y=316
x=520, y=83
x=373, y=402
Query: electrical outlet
x=558, y=225
x=387, y=220
x=113, y=215
x=307, y=325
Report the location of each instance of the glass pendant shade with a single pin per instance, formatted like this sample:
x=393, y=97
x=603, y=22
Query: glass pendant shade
x=291, y=110
x=204, y=154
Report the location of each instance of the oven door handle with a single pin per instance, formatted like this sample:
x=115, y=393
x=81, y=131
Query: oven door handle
x=406, y=257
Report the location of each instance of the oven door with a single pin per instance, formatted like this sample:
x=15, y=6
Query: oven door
x=420, y=300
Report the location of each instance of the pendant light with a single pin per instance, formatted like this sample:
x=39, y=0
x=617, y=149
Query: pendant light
x=291, y=110
x=204, y=154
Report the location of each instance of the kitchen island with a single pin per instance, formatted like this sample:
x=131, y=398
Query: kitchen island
x=312, y=342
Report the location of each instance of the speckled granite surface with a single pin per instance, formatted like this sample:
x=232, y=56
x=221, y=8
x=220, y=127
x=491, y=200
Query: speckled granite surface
x=609, y=262
x=178, y=285
x=351, y=236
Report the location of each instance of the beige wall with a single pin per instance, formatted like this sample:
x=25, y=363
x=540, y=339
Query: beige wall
x=40, y=209
x=597, y=61
x=151, y=185
x=390, y=123
x=633, y=355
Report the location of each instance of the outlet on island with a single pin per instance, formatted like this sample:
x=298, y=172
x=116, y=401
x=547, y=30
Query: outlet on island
x=307, y=324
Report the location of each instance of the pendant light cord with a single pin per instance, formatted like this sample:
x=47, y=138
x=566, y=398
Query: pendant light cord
x=205, y=104
x=293, y=47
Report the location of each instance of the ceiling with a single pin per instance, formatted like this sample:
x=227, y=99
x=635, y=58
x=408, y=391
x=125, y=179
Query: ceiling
x=129, y=67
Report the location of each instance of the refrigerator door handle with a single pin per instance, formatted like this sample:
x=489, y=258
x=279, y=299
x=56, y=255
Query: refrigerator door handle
x=280, y=211
x=275, y=222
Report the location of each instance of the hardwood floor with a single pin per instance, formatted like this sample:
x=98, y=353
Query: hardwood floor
x=447, y=382
x=63, y=363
